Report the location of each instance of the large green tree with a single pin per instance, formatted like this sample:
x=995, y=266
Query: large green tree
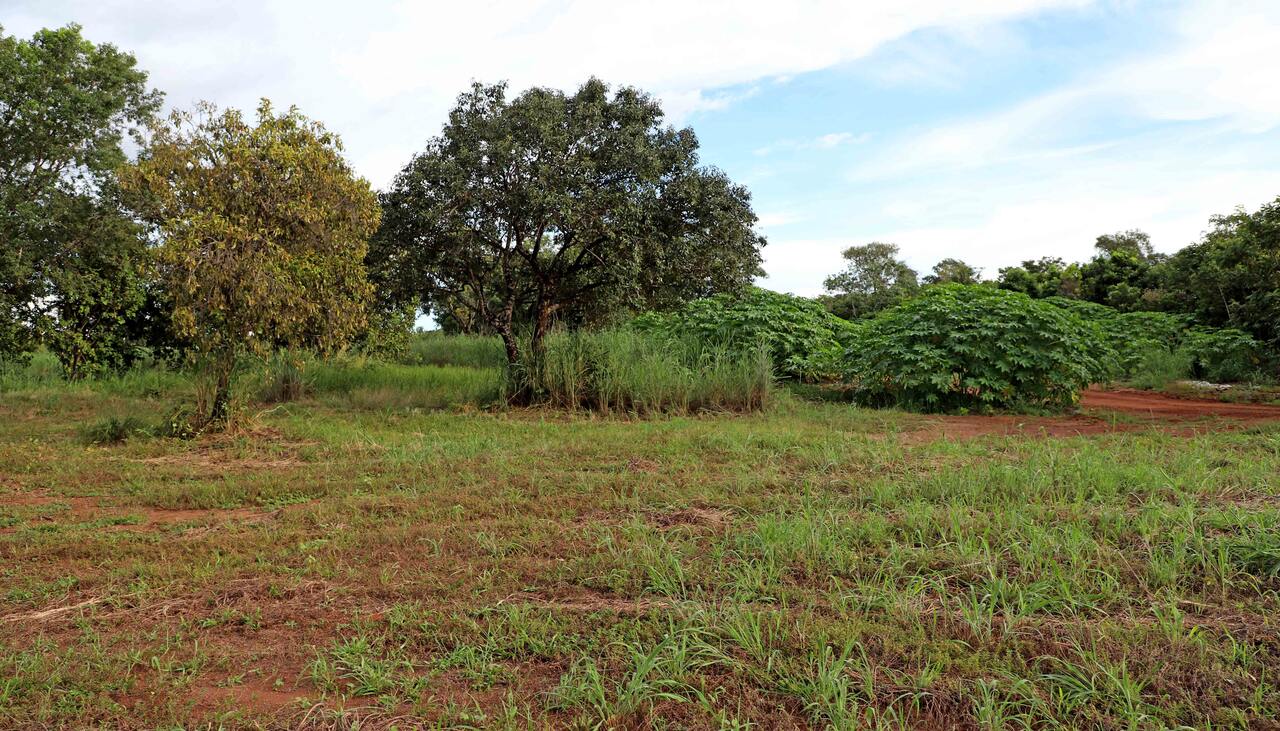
x=68, y=258
x=874, y=278
x=561, y=207
x=1039, y=278
x=1122, y=273
x=1232, y=276
x=263, y=228
x=953, y=271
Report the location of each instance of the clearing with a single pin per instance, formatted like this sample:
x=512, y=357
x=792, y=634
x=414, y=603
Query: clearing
x=815, y=565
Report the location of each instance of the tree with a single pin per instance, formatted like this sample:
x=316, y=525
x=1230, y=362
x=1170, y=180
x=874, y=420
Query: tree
x=1123, y=272
x=1134, y=242
x=874, y=279
x=953, y=271
x=553, y=207
x=68, y=258
x=1040, y=278
x=1232, y=276
x=263, y=231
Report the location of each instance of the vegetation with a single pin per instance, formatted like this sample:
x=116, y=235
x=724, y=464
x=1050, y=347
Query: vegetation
x=803, y=339
x=629, y=372
x=499, y=223
x=874, y=279
x=69, y=258
x=819, y=565
x=264, y=229
x=973, y=347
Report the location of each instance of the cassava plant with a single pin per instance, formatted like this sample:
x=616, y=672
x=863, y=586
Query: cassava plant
x=973, y=347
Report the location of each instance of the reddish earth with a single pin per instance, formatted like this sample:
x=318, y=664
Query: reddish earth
x=1147, y=403
x=1139, y=409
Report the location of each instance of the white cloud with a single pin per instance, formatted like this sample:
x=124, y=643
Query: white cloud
x=1217, y=67
x=822, y=142
x=383, y=73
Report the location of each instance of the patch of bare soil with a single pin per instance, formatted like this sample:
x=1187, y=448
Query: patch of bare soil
x=1142, y=410
x=697, y=517
x=1161, y=406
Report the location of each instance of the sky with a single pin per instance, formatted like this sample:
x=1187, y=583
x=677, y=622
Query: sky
x=988, y=130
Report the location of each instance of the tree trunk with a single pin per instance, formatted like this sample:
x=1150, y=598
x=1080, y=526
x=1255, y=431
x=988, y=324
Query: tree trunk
x=220, y=408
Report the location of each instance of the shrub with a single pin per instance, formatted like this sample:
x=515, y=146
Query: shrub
x=644, y=373
x=1147, y=346
x=1158, y=367
x=1224, y=356
x=974, y=347
x=802, y=338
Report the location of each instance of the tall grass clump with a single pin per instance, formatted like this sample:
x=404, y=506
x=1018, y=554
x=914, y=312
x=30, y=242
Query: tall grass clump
x=438, y=349
x=365, y=383
x=624, y=371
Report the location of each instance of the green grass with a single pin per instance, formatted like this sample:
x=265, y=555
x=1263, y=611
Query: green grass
x=623, y=371
x=436, y=348
x=347, y=561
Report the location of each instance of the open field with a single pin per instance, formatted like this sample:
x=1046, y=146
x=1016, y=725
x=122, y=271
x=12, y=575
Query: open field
x=815, y=565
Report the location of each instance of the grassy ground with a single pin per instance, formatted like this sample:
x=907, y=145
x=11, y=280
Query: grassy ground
x=348, y=562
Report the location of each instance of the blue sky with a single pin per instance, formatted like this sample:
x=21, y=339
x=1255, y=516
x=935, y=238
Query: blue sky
x=990, y=130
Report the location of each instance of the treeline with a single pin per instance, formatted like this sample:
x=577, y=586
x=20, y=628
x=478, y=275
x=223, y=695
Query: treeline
x=1228, y=279
x=228, y=235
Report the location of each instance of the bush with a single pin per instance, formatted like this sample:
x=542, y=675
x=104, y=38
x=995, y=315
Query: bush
x=973, y=347
x=802, y=338
x=1224, y=356
x=1153, y=348
x=644, y=373
x=1158, y=367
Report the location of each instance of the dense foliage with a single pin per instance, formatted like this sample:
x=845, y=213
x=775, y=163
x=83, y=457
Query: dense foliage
x=1135, y=339
x=70, y=261
x=802, y=338
x=561, y=208
x=1231, y=278
x=874, y=277
x=264, y=229
x=973, y=347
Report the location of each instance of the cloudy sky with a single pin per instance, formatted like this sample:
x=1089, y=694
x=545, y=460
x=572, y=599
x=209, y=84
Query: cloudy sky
x=991, y=130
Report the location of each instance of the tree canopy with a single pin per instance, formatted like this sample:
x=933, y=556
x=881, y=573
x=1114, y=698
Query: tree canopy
x=953, y=271
x=1231, y=277
x=68, y=258
x=554, y=206
x=263, y=231
x=873, y=279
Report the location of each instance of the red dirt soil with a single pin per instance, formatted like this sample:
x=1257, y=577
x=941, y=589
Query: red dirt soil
x=1158, y=405
x=1148, y=407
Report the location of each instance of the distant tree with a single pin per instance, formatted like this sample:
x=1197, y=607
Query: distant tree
x=873, y=279
x=1231, y=277
x=1122, y=272
x=553, y=207
x=69, y=259
x=1040, y=278
x=263, y=232
x=1133, y=241
x=953, y=271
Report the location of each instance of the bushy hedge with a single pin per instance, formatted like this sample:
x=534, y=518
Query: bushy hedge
x=960, y=347
x=803, y=339
x=1136, y=340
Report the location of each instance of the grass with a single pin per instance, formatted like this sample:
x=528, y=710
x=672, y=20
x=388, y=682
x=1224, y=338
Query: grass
x=350, y=561
x=622, y=371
